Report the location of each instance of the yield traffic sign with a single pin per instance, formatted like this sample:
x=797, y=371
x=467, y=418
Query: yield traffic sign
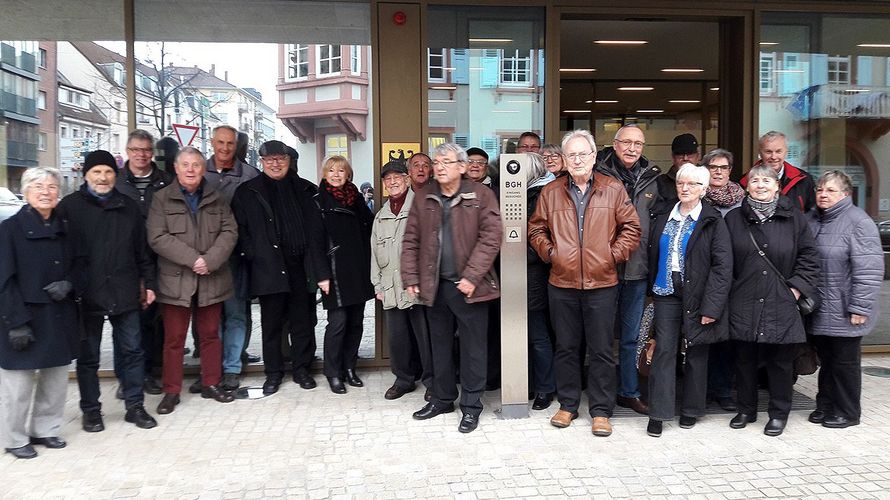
x=185, y=133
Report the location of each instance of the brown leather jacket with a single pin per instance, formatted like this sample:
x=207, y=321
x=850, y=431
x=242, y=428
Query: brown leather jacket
x=611, y=233
x=476, y=238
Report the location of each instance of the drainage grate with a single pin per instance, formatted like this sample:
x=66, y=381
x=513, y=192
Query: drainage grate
x=877, y=371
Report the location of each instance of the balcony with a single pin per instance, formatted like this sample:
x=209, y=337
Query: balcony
x=841, y=101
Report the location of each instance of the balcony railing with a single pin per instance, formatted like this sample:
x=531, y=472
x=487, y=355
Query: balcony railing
x=844, y=101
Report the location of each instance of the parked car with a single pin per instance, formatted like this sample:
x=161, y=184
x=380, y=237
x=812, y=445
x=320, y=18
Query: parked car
x=10, y=204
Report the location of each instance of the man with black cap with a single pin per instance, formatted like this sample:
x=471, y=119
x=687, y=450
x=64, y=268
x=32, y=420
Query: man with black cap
x=684, y=149
x=276, y=215
x=111, y=252
x=625, y=162
x=477, y=168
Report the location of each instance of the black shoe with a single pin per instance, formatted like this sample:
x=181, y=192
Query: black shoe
x=92, y=421
x=230, y=381
x=395, y=392
x=305, y=380
x=774, y=426
x=337, y=386
x=50, y=442
x=468, y=423
x=542, y=401
x=838, y=422
x=352, y=378
x=428, y=395
x=727, y=404
x=137, y=415
x=151, y=386
x=741, y=420
x=247, y=358
x=270, y=386
x=687, y=422
x=216, y=393
x=654, y=428
x=196, y=387
x=430, y=410
x=168, y=404
x=817, y=416
x=119, y=393
x=26, y=451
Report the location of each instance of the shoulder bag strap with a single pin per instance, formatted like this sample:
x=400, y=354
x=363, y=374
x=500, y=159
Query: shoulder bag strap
x=765, y=258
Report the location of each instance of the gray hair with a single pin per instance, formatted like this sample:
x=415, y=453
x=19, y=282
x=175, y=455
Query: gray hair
x=717, y=153
x=34, y=174
x=141, y=135
x=629, y=125
x=843, y=180
x=450, y=147
x=695, y=173
x=771, y=135
x=190, y=150
x=224, y=127
x=551, y=149
x=579, y=133
x=536, y=167
x=762, y=170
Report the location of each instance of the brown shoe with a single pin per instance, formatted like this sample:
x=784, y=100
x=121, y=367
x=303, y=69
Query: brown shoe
x=563, y=418
x=601, y=427
x=168, y=404
x=635, y=404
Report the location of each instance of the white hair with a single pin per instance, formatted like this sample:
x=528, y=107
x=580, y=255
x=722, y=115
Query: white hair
x=35, y=174
x=694, y=173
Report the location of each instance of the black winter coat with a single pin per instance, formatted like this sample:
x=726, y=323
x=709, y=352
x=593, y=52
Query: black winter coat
x=258, y=239
x=342, y=251
x=762, y=308
x=110, y=249
x=707, y=273
x=33, y=254
x=125, y=184
x=538, y=270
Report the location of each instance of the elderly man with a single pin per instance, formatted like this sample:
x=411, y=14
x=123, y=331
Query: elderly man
x=794, y=182
x=192, y=230
x=584, y=226
x=529, y=142
x=140, y=180
x=108, y=232
x=225, y=172
x=419, y=168
x=625, y=162
x=451, y=241
x=275, y=215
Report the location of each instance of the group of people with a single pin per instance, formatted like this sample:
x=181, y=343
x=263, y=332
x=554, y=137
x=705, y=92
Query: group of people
x=725, y=265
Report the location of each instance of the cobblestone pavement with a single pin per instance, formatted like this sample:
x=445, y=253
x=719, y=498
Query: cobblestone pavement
x=315, y=444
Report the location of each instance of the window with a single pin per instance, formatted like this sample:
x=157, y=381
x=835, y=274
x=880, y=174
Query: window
x=839, y=70
x=41, y=100
x=355, y=59
x=767, y=76
x=41, y=58
x=297, y=61
x=115, y=142
x=117, y=111
x=336, y=144
x=328, y=60
x=75, y=133
x=99, y=143
x=118, y=73
x=41, y=141
x=63, y=131
x=436, y=65
x=516, y=68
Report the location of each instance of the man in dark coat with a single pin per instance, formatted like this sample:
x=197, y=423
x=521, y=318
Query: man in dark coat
x=111, y=249
x=275, y=215
x=795, y=183
x=139, y=180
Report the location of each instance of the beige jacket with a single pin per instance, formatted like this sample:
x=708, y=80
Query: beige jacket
x=386, y=254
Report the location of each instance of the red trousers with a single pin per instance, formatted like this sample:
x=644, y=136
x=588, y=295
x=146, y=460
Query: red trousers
x=176, y=323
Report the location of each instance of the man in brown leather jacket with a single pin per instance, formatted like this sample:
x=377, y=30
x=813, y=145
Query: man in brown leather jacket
x=584, y=225
x=451, y=240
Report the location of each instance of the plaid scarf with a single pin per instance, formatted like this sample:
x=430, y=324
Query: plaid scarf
x=728, y=195
x=345, y=195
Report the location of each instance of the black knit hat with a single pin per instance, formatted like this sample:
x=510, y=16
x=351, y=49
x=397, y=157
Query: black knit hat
x=99, y=157
x=270, y=148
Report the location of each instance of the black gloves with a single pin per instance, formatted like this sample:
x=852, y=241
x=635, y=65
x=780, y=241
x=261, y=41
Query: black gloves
x=58, y=290
x=20, y=337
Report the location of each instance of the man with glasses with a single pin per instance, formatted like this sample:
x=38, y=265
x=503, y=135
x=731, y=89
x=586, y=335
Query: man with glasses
x=225, y=172
x=529, y=142
x=419, y=168
x=794, y=182
x=451, y=240
x=140, y=179
x=585, y=226
x=275, y=215
x=625, y=161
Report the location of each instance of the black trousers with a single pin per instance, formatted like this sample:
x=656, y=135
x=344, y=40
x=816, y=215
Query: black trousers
x=342, y=338
x=589, y=315
x=409, y=345
x=296, y=309
x=840, y=377
x=472, y=324
x=778, y=360
x=663, y=377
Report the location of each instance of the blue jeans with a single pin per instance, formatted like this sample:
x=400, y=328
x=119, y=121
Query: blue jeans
x=233, y=331
x=541, y=352
x=631, y=300
x=127, y=341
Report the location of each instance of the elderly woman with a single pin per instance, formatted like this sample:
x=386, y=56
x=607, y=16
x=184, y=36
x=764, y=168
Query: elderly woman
x=849, y=286
x=539, y=344
x=405, y=319
x=722, y=193
x=343, y=269
x=553, y=159
x=38, y=318
x=690, y=270
x=768, y=231
x=193, y=231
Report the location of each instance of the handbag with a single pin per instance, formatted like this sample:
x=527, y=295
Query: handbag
x=805, y=305
x=645, y=342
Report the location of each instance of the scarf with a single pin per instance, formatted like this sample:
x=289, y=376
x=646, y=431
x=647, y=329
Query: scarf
x=628, y=176
x=664, y=285
x=728, y=195
x=763, y=209
x=345, y=195
x=288, y=214
x=395, y=204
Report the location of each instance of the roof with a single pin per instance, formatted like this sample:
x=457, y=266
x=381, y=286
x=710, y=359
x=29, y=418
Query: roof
x=198, y=78
x=93, y=115
x=100, y=57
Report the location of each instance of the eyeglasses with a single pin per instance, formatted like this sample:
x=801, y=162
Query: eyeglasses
x=146, y=151
x=275, y=159
x=444, y=163
x=582, y=157
x=628, y=143
x=689, y=185
x=553, y=157
x=719, y=167
x=477, y=162
x=49, y=188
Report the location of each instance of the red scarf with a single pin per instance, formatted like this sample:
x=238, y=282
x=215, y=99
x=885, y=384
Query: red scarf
x=395, y=204
x=345, y=195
